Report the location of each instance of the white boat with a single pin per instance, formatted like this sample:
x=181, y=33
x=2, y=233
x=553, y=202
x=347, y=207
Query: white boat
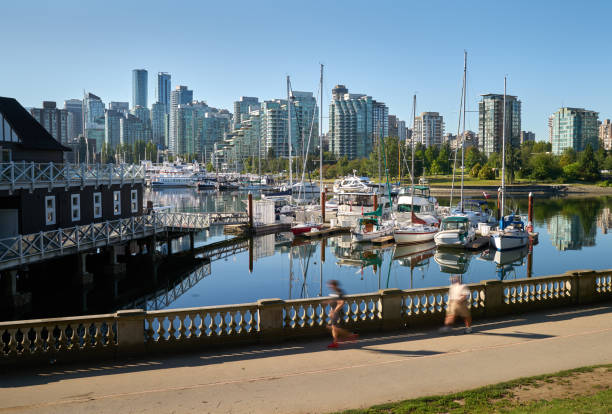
x=455, y=231
x=511, y=235
x=351, y=184
x=422, y=207
x=476, y=210
x=414, y=233
x=370, y=229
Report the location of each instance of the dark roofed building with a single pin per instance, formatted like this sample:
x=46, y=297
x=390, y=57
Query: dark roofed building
x=23, y=138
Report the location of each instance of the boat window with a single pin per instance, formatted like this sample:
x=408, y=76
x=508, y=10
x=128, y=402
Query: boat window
x=454, y=225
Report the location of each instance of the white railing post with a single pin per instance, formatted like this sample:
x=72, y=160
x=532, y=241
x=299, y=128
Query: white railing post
x=42, y=244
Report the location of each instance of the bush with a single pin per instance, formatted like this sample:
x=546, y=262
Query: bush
x=475, y=170
x=571, y=172
x=486, y=173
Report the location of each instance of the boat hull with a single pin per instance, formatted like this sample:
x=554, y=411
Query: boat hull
x=359, y=237
x=451, y=239
x=297, y=230
x=410, y=237
x=503, y=241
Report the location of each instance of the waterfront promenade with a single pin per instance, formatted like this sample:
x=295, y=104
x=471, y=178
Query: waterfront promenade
x=301, y=377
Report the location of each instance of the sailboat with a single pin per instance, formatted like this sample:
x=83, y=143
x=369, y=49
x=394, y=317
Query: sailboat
x=371, y=225
x=456, y=230
x=418, y=230
x=511, y=233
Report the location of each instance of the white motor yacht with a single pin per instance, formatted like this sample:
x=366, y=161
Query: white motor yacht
x=455, y=231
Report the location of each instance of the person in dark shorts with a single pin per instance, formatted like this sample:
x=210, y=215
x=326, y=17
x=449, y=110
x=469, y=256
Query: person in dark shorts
x=335, y=315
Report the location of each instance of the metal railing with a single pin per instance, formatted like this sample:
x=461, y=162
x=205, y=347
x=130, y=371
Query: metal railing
x=30, y=248
x=22, y=175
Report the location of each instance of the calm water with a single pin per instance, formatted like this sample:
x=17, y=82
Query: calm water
x=573, y=235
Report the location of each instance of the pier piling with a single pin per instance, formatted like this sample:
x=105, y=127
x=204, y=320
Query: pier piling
x=250, y=210
x=323, y=196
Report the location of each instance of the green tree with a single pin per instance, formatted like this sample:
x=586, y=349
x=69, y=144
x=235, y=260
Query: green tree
x=568, y=157
x=571, y=172
x=473, y=156
x=443, y=162
x=588, y=164
x=544, y=166
x=209, y=167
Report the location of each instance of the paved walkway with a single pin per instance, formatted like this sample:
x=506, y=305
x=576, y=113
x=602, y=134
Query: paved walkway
x=299, y=377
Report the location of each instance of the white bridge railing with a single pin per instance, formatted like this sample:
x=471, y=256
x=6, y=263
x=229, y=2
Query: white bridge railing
x=22, y=175
x=30, y=248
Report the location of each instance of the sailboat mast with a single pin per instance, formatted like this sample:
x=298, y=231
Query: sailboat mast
x=463, y=135
x=321, y=132
x=379, y=161
x=412, y=151
x=503, y=179
x=289, y=130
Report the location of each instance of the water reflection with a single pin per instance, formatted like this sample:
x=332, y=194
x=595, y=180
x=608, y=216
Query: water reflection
x=568, y=232
x=507, y=262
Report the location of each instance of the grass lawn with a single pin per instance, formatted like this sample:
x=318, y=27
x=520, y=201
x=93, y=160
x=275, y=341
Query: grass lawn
x=582, y=390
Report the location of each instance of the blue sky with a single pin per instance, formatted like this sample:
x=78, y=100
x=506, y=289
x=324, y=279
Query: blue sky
x=553, y=52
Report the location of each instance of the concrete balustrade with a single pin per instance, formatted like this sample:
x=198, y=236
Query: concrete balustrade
x=136, y=332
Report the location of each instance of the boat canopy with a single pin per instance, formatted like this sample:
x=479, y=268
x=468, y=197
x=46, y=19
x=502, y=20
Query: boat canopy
x=513, y=220
x=418, y=201
x=377, y=212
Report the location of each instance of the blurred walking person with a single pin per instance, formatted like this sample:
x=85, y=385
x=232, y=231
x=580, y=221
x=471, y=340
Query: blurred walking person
x=458, y=296
x=335, y=315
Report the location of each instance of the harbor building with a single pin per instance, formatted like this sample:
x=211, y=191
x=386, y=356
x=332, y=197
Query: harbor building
x=112, y=128
x=159, y=124
x=132, y=130
x=605, y=134
x=75, y=126
x=122, y=107
x=144, y=114
x=527, y=136
x=179, y=96
x=93, y=110
x=56, y=121
x=351, y=127
x=397, y=128
x=490, y=122
x=574, y=128
x=380, y=119
x=163, y=89
x=429, y=129
x=242, y=108
x=140, y=81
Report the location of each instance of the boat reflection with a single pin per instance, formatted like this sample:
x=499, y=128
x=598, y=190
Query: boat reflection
x=507, y=261
x=413, y=256
x=452, y=261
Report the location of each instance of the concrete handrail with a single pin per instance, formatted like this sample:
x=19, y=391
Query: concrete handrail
x=274, y=320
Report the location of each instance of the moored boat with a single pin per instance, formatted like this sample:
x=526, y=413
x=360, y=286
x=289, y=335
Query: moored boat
x=455, y=231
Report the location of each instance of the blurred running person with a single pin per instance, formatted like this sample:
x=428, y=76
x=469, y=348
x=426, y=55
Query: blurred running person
x=335, y=315
x=458, y=295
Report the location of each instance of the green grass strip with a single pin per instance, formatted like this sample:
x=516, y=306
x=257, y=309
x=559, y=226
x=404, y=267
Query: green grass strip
x=498, y=399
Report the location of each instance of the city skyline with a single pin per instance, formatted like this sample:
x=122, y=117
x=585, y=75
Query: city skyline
x=540, y=61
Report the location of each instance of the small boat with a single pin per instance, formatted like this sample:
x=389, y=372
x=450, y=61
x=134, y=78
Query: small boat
x=302, y=228
x=207, y=185
x=455, y=231
x=476, y=210
x=511, y=235
x=352, y=184
x=370, y=228
x=414, y=233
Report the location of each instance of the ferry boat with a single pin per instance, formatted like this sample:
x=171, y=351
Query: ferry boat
x=172, y=181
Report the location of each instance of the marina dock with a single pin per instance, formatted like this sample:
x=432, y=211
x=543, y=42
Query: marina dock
x=326, y=231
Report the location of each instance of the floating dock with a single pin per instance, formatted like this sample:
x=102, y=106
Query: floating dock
x=478, y=244
x=326, y=231
x=383, y=240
